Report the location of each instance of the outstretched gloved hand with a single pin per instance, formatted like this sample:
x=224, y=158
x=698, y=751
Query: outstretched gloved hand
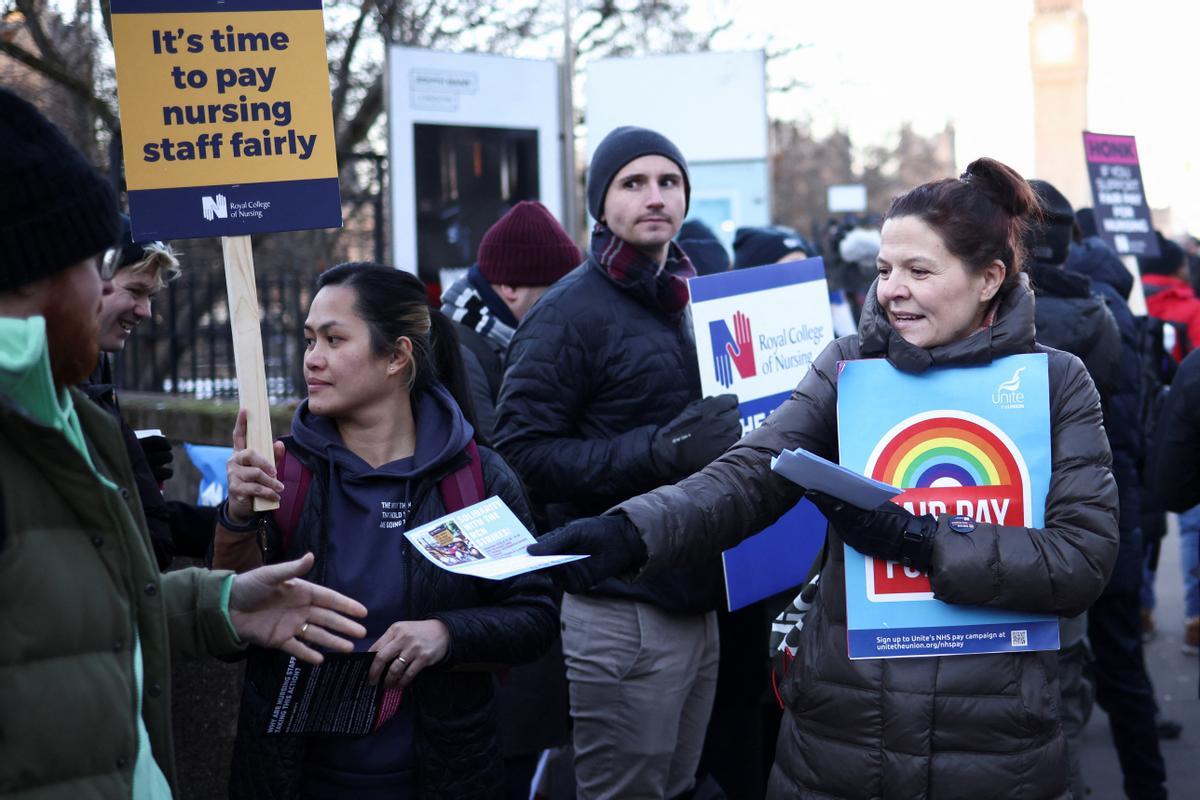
x=889, y=532
x=158, y=455
x=697, y=435
x=611, y=543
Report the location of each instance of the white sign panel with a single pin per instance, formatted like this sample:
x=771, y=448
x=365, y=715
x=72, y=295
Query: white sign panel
x=713, y=106
x=759, y=330
x=843, y=197
x=469, y=135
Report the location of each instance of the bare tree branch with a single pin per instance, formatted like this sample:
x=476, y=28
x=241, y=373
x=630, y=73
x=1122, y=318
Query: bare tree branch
x=61, y=76
x=342, y=76
x=33, y=23
x=357, y=128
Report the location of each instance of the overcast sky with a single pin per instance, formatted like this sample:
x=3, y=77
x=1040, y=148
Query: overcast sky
x=870, y=66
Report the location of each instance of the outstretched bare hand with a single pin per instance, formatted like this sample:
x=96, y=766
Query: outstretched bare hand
x=273, y=607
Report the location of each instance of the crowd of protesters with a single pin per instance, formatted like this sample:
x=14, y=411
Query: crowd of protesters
x=566, y=383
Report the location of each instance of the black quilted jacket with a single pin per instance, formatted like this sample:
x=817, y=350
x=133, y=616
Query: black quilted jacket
x=593, y=371
x=492, y=624
x=972, y=726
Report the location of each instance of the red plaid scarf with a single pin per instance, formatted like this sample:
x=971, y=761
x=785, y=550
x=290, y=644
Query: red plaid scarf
x=629, y=268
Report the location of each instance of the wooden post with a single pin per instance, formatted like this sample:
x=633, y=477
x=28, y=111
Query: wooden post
x=244, y=319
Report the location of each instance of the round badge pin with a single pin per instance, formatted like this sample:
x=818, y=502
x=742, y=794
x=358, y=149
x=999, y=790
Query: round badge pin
x=961, y=524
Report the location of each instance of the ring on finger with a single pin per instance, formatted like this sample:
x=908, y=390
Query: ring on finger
x=402, y=660
x=303, y=629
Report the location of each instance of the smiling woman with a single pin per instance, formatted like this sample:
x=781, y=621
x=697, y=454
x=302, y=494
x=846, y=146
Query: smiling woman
x=950, y=293
x=948, y=248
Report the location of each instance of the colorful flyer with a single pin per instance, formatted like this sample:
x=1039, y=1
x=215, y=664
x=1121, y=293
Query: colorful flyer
x=757, y=332
x=226, y=119
x=485, y=540
x=971, y=441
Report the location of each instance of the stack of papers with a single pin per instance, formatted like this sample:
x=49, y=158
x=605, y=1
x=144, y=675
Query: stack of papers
x=813, y=472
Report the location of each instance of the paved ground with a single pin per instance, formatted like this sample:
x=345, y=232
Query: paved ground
x=1175, y=676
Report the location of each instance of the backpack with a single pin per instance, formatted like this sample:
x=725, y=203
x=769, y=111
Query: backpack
x=1156, y=369
x=461, y=488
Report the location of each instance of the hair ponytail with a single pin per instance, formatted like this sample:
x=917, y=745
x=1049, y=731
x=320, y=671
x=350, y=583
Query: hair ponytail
x=981, y=216
x=1003, y=186
x=448, y=361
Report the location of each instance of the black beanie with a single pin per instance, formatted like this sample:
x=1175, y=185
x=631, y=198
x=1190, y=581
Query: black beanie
x=131, y=252
x=620, y=147
x=1048, y=240
x=1170, y=258
x=703, y=248
x=55, y=208
x=754, y=247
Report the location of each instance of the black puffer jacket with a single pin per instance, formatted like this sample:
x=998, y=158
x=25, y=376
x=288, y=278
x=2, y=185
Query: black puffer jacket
x=593, y=371
x=491, y=623
x=1173, y=465
x=176, y=529
x=1069, y=316
x=983, y=726
x=1123, y=408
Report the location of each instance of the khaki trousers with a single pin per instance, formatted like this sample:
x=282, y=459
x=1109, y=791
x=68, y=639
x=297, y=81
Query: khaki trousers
x=641, y=687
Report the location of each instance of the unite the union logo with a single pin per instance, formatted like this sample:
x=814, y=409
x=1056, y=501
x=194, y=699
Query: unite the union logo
x=1008, y=393
x=732, y=351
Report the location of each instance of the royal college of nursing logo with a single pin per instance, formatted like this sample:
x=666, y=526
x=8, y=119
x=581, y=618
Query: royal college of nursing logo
x=732, y=351
x=947, y=462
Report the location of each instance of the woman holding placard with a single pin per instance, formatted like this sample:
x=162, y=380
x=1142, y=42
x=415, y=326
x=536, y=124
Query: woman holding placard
x=382, y=445
x=949, y=293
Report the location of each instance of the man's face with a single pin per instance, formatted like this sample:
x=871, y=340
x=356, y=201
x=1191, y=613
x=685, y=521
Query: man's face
x=126, y=307
x=645, y=204
x=72, y=313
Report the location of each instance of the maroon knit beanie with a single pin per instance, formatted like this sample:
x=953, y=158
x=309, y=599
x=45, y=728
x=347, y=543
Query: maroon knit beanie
x=527, y=247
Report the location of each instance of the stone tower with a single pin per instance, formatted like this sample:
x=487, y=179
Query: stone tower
x=1058, y=50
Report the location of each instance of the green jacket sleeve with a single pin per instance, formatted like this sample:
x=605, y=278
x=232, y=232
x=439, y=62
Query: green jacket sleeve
x=197, y=622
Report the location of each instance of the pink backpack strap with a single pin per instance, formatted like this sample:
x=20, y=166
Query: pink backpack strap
x=464, y=487
x=295, y=478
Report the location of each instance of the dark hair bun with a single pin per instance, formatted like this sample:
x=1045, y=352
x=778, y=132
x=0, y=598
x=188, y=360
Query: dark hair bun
x=1003, y=186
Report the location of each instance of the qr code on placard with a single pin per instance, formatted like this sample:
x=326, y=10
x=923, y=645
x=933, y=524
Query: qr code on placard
x=1020, y=639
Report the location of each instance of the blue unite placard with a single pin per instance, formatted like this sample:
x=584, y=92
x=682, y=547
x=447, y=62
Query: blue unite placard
x=972, y=441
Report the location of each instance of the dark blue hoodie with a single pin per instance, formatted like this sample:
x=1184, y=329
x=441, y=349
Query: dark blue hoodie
x=368, y=511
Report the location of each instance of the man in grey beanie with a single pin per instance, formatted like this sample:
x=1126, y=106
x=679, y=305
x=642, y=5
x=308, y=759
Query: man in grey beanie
x=88, y=625
x=602, y=401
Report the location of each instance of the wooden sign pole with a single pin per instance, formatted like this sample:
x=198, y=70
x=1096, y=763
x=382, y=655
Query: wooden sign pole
x=247, y=349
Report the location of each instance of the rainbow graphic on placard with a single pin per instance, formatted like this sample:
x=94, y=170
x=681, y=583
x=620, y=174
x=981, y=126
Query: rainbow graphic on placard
x=947, y=462
x=943, y=449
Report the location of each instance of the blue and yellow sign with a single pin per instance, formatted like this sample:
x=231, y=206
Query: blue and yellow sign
x=226, y=117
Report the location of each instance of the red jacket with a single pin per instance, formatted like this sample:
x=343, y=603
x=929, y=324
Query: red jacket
x=1172, y=299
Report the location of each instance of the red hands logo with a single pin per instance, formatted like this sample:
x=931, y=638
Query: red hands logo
x=742, y=350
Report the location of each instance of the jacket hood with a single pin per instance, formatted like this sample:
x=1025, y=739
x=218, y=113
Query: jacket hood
x=442, y=433
x=1053, y=281
x=1012, y=332
x=1093, y=258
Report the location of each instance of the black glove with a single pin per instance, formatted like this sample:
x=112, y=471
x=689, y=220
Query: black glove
x=158, y=455
x=702, y=431
x=611, y=543
x=889, y=532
